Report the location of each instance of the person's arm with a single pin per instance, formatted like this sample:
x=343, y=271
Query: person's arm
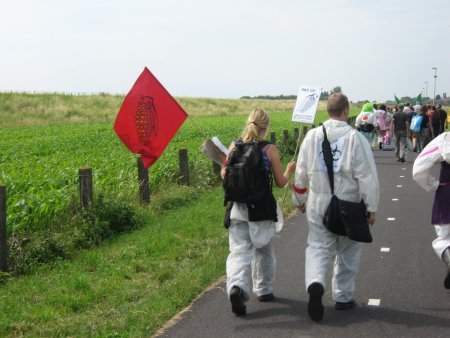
x=299, y=195
x=281, y=178
x=430, y=125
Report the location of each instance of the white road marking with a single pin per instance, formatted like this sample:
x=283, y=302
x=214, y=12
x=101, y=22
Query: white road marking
x=399, y=186
x=402, y=176
x=395, y=199
x=391, y=218
x=385, y=249
x=403, y=168
x=374, y=302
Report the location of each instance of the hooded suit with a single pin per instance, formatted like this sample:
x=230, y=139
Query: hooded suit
x=355, y=177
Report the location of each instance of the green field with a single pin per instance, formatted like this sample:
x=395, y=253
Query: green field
x=132, y=284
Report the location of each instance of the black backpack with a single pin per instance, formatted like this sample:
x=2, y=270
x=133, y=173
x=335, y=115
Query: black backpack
x=246, y=179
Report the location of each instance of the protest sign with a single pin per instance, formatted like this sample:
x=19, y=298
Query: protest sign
x=306, y=105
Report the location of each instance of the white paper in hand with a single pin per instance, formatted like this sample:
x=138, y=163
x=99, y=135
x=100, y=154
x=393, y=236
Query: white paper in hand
x=215, y=150
x=219, y=145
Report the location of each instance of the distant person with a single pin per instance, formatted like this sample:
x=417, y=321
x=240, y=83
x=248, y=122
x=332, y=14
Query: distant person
x=253, y=225
x=400, y=126
x=435, y=121
x=437, y=152
x=443, y=115
x=383, y=121
x=414, y=135
x=424, y=135
x=355, y=177
x=365, y=122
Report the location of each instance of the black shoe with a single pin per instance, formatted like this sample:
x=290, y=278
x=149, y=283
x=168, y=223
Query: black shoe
x=345, y=306
x=447, y=280
x=446, y=259
x=402, y=160
x=315, y=307
x=237, y=300
x=266, y=298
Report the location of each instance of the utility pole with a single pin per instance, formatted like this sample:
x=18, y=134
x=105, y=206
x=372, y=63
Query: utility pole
x=434, y=91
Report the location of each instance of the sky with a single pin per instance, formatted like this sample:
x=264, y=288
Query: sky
x=227, y=49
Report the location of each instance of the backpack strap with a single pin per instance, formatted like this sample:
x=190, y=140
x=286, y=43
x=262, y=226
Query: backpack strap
x=263, y=146
x=328, y=157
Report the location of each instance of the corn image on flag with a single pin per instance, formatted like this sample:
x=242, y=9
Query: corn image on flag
x=148, y=118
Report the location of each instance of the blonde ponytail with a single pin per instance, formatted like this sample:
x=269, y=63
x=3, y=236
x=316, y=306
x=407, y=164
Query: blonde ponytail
x=256, y=127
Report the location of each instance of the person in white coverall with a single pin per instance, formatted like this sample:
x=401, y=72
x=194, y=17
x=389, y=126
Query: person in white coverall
x=251, y=249
x=437, y=152
x=355, y=177
x=366, y=122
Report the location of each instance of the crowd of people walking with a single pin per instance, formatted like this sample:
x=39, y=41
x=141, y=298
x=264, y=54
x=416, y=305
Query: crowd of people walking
x=410, y=127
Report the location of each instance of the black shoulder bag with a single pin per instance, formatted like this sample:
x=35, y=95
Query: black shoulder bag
x=343, y=217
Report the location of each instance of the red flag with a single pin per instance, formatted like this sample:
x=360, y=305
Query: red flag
x=148, y=119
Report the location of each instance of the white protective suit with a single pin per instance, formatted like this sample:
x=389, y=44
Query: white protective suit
x=367, y=117
x=251, y=251
x=355, y=177
x=436, y=151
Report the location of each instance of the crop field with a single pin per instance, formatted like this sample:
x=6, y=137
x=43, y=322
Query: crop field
x=40, y=164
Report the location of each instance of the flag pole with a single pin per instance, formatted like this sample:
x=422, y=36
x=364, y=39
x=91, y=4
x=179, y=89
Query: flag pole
x=295, y=156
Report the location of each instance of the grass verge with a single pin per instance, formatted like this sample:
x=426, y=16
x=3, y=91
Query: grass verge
x=126, y=287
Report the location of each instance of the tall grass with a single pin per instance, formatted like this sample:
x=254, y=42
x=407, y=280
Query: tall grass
x=23, y=109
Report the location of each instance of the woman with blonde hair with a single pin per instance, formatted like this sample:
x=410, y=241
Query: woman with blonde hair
x=253, y=225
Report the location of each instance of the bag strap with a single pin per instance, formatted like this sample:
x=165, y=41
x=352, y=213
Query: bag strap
x=328, y=157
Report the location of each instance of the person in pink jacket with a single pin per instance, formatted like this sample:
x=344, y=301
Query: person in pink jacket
x=383, y=121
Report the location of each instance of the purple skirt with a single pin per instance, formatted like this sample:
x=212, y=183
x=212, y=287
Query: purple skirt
x=441, y=205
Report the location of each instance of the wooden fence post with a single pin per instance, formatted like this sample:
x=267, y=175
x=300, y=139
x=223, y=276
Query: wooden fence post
x=85, y=177
x=305, y=130
x=144, y=187
x=3, y=231
x=296, y=134
x=285, y=136
x=273, y=138
x=184, y=166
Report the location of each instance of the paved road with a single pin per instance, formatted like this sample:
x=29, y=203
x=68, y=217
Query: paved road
x=399, y=289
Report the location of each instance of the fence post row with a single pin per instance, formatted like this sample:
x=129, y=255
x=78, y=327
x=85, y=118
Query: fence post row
x=273, y=138
x=86, y=194
x=296, y=134
x=184, y=166
x=285, y=136
x=3, y=232
x=144, y=186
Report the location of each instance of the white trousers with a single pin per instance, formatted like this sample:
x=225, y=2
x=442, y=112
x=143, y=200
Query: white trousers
x=322, y=247
x=442, y=241
x=251, y=254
